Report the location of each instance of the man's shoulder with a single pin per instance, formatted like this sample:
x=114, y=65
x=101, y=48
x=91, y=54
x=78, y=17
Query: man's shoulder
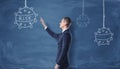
x=66, y=34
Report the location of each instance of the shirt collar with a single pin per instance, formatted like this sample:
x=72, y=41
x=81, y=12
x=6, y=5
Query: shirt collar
x=64, y=30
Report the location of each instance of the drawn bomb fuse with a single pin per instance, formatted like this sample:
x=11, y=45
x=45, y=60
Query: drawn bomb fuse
x=103, y=36
x=25, y=17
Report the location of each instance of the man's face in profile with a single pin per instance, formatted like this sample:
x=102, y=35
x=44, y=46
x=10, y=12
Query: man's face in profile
x=62, y=23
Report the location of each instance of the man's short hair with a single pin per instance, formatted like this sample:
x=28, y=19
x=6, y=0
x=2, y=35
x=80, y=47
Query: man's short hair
x=68, y=20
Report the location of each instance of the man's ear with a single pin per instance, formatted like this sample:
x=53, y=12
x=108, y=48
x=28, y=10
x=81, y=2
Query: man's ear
x=66, y=24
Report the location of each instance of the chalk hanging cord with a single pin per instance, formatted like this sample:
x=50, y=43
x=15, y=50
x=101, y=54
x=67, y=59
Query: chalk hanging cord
x=83, y=7
x=26, y=3
x=104, y=14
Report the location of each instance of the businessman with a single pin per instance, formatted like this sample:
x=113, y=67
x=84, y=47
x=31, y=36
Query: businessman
x=64, y=41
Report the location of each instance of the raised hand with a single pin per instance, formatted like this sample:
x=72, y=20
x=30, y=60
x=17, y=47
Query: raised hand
x=43, y=22
x=56, y=66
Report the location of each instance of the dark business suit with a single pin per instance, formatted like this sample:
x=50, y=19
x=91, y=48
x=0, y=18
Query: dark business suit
x=64, y=40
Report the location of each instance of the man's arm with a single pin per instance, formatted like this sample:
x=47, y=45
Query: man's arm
x=54, y=35
x=50, y=32
x=64, y=51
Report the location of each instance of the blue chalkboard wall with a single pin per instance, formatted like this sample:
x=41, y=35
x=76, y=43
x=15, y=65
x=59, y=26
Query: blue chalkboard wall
x=35, y=49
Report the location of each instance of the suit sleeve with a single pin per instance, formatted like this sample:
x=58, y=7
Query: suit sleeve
x=63, y=53
x=51, y=33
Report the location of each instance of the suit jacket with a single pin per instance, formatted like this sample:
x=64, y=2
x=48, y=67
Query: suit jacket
x=64, y=41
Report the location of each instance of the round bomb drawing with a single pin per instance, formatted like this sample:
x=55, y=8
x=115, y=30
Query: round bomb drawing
x=103, y=36
x=25, y=17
